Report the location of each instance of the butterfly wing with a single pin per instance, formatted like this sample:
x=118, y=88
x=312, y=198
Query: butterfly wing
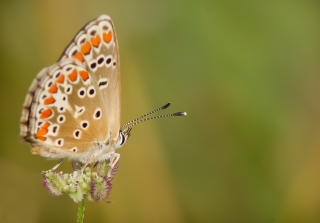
x=94, y=46
x=72, y=108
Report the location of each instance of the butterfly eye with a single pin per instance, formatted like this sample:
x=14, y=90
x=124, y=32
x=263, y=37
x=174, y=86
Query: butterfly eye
x=123, y=138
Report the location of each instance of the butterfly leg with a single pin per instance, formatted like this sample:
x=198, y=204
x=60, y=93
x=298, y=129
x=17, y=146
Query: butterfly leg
x=113, y=161
x=57, y=165
x=53, y=168
x=86, y=164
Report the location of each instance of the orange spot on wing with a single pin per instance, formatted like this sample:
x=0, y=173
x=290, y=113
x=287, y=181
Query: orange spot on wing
x=49, y=100
x=53, y=88
x=107, y=37
x=42, y=138
x=73, y=75
x=84, y=75
x=46, y=113
x=85, y=48
x=42, y=131
x=95, y=41
x=46, y=125
x=60, y=79
x=79, y=57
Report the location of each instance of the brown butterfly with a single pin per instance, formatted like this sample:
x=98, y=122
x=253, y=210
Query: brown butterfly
x=72, y=109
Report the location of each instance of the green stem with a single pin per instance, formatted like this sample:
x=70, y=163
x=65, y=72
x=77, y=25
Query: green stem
x=81, y=211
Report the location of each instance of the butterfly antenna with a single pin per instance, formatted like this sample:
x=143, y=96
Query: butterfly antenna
x=155, y=117
x=156, y=110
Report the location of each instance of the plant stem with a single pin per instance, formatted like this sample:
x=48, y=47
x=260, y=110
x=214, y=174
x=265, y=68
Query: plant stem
x=81, y=211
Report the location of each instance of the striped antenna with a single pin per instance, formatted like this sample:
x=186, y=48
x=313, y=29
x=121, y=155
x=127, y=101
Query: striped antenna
x=159, y=116
x=158, y=109
x=142, y=118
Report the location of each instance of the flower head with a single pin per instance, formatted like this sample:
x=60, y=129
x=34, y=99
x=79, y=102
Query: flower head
x=95, y=185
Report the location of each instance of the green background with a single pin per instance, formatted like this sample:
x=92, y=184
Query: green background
x=247, y=73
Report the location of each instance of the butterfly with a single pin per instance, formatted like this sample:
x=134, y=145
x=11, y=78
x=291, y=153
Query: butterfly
x=72, y=108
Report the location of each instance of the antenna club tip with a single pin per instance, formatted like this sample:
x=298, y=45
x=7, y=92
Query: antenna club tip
x=166, y=105
x=180, y=114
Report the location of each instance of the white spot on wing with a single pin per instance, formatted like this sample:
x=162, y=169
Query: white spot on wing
x=59, y=142
x=91, y=92
x=61, y=119
x=93, y=65
x=77, y=134
x=61, y=109
x=84, y=124
x=103, y=83
x=79, y=111
x=100, y=61
x=68, y=89
x=54, y=129
x=108, y=61
x=82, y=92
x=97, y=113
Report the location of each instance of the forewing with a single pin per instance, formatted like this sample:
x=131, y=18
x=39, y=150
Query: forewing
x=94, y=46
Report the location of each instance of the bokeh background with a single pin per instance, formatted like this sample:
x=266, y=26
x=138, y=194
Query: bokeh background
x=247, y=73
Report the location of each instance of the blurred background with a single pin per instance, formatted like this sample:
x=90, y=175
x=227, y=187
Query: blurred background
x=247, y=73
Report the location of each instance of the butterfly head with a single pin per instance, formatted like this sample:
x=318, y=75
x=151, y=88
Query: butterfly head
x=123, y=137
